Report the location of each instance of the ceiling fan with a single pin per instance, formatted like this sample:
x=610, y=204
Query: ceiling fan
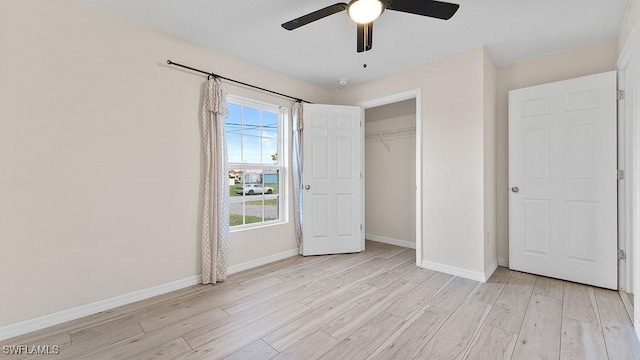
x=364, y=12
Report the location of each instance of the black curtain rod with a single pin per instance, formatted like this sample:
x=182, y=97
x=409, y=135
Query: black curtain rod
x=210, y=74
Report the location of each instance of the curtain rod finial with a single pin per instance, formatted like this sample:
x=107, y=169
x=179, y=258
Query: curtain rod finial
x=169, y=62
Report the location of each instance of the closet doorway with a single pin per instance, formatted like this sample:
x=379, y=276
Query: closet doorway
x=392, y=159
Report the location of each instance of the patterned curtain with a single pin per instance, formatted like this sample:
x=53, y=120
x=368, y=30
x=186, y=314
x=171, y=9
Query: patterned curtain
x=215, y=212
x=298, y=125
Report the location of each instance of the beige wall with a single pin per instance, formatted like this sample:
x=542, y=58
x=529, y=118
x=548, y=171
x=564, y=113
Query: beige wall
x=390, y=175
x=100, y=157
x=630, y=19
x=490, y=185
x=452, y=152
x=586, y=60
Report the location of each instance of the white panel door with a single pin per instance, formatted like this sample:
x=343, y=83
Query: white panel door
x=563, y=180
x=332, y=197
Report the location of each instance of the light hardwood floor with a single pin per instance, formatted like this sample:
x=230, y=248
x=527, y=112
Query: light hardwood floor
x=372, y=305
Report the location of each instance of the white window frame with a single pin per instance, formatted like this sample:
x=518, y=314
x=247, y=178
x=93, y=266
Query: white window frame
x=282, y=165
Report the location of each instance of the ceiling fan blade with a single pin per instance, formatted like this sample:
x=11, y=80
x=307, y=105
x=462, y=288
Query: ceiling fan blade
x=316, y=15
x=362, y=30
x=435, y=9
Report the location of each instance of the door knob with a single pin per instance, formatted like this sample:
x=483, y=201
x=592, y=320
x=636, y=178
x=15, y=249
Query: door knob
x=515, y=189
x=307, y=187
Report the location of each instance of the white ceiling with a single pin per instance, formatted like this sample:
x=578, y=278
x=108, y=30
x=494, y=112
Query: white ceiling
x=325, y=51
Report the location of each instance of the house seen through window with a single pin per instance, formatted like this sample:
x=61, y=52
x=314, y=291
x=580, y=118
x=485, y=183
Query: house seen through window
x=254, y=142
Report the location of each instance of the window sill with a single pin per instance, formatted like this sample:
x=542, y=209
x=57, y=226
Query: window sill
x=240, y=228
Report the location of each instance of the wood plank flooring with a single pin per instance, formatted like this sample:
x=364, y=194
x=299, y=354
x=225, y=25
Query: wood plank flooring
x=373, y=305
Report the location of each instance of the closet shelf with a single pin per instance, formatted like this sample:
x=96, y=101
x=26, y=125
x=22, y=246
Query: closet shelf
x=390, y=134
x=404, y=131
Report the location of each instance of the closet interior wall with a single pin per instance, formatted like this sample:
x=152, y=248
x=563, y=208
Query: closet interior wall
x=390, y=173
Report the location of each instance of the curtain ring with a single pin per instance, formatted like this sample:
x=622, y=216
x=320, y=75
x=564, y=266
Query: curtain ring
x=209, y=76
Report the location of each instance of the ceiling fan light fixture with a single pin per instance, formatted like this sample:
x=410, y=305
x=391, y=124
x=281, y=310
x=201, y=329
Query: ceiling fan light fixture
x=365, y=11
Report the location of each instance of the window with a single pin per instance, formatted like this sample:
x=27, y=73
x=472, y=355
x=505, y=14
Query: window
x=254, y=135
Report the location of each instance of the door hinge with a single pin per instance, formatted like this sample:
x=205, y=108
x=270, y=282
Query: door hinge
x=620, y=174
x=360, y=227
x=622, y=255
x=360, y=174
x=620, y=95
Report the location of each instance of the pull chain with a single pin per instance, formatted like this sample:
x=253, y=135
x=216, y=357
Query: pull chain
x=366, y=38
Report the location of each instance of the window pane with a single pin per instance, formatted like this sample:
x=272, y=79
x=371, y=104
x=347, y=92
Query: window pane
x=236, y=197
x=251, y=149
x=271, y=209
x=234, y=148
x=253, y=208
x=270, y=125
x=250, y=121
x=233, y=131
x=269, y=151
x=271, y=179
x=253, y=177
x=234, y=119
x=235, y=182
x=252, y=219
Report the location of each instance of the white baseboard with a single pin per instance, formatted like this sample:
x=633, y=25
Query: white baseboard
x=386, y=240
x=489, y=271
x=60, y=317
x=262, y=261
x=453, y=270
x=503, y=262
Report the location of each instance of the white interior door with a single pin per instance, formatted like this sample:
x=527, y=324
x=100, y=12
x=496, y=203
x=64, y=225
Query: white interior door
x=562, y=176
x=332, y=198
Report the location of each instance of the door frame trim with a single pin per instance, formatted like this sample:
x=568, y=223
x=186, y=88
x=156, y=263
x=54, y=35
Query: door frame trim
x=394, y=98
x=629, y=230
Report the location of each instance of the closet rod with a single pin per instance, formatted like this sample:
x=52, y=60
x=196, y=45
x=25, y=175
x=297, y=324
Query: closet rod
x=210, y=74
x=394, y=131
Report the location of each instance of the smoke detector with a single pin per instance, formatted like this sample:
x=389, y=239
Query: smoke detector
x=343, y=82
